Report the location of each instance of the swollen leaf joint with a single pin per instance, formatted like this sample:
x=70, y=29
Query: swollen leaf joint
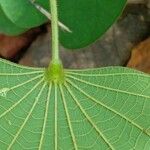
x=55, y=73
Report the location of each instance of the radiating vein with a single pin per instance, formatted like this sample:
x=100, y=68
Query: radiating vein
x=118, y=68
x=17, y=103
x=27, y=118
x=4, y=61
x=99, y=74
x=56, y=117
x=108, y=88
x=88, y=118
x=68, y=119
x=23, y=83
x=107, y=107
x=45, y=117
x=19, y=85
x=21, y=74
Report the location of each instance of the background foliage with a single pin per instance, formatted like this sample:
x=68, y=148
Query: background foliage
x=87, y=19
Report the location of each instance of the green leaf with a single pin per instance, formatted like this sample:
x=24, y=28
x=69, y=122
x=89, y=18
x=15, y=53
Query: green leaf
x=87, y=19
x=7, y=27
x=94, y=109
x=22, y=13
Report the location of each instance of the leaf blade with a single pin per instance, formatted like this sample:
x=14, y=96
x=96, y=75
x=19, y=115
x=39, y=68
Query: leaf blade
x=8, y=27
x=88, y=116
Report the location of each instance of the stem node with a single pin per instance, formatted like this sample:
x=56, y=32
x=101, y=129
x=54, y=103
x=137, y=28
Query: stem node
x=55, y=73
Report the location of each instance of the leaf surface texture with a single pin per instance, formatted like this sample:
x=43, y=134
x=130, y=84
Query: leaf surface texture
x=106, y=108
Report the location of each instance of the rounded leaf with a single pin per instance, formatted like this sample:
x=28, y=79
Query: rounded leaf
x=22, y=13
x=93, y=109
x=7, y=27
x=87, y=19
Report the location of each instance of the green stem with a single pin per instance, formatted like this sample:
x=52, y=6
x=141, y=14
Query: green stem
x=54, y=73
x=55, y=32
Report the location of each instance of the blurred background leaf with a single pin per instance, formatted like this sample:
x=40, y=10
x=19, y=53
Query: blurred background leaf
x=87, y=19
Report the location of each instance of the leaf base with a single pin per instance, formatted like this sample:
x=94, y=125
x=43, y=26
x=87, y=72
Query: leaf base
x=55, y=73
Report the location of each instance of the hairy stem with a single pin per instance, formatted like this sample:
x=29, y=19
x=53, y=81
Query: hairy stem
x=54, y=73
x=55, y=32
